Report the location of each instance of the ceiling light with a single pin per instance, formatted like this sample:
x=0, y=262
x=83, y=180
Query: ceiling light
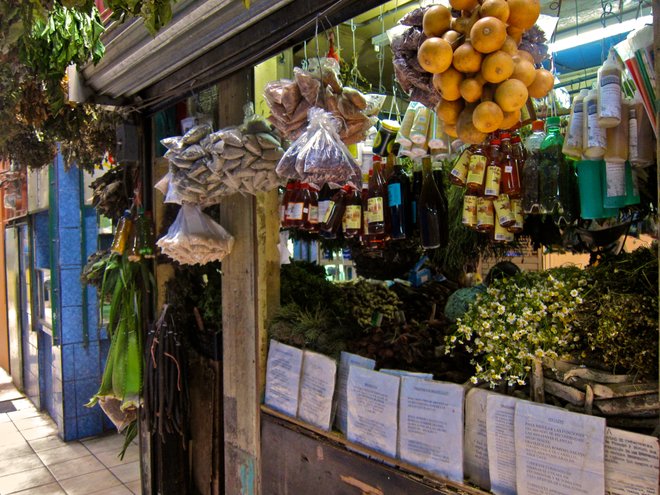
x=598, y=34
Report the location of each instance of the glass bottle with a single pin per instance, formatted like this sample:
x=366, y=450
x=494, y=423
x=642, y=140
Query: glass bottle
x=531, y=202
x=439, y=178
x=432, y=213
x=148, y=241
x=353, y=214
x=551, y=158
x=609, y=92
x=335, y=214
x=376, y=201
x=416, y=191
x=594, y=138
x=364, y=231
x=476, y=171
x=122, y=233
x=312, y=222
x=568, y=193
x=398, y=187
x=573, y=145
x=459, y=172
x=323, y=201
x=286, y=198
x=485, y=215
x=510, y=171
x=136, y=237
x=493, y=170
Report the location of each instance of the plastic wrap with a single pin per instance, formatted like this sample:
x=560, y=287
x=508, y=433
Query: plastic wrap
x=194, y=238
x=414, y=17
x=319, y=155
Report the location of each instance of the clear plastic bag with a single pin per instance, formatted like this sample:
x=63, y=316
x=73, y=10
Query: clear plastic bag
x=195, y=238
x=319, y=155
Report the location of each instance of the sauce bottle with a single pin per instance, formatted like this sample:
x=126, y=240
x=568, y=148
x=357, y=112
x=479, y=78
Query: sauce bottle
x=122, y=233
x=609, y=92
x=510, y=172
x=617, y=138
x=493, y=170
x=476, y=171
x=594, y=138
x=573, y=145
x=459, y=172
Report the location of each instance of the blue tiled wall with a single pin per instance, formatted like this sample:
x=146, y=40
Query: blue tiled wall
x=77, y=361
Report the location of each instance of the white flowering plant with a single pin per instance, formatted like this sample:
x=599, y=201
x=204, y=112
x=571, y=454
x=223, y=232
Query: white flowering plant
x=519, y=319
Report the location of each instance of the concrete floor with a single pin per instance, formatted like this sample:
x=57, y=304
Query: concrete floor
x=35, y=461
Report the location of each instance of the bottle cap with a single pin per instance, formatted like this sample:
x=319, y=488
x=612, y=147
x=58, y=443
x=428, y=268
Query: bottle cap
x=505, y=135
x=390, y=125
x=495, y=142
x=538, y=125
x=553, y=121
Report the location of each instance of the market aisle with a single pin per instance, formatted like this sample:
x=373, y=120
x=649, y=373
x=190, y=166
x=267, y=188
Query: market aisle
x=34, y=461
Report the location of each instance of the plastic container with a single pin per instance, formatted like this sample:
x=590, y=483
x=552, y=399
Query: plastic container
x=594, y=137
x=632, y=186
x=613, y=183
x=549, y=167
x=531, y=201
x=609, y=92
x=617, y=138
x=403, y=137
x=591, y=194
x=573, y=141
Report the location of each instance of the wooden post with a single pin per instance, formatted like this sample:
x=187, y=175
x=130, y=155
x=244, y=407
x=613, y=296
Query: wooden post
x=250, y=289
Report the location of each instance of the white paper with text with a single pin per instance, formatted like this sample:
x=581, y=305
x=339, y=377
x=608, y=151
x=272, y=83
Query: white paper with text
x=631, y=463
x=373, y=405
x=475, y=459
x=317, y=387
x=283, y=378
x=431, y=426
x=346, y=360
x=500, y=413
x=558, y=452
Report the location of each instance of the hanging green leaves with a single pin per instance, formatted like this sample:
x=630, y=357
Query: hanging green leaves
x=154, y=13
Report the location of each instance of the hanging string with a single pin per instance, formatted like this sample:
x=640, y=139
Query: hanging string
x=337, y=42
x=381, y=54
x=354, y=68
x=304, y=63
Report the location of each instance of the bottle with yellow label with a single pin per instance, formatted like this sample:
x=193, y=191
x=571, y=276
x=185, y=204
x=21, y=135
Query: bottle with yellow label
x=476, y=171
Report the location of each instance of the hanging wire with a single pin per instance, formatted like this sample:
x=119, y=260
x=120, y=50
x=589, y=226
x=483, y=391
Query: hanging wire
x=337, y=41
x=381, y=54
x=354, y=68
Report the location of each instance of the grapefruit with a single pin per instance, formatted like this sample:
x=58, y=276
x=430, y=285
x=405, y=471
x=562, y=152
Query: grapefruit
x=511, y=95
x=488, y=34
x=464, y=4
x=524, y=71
x=510, y=119
x=523, y=13
x=497, y=67
x=515, y=33
x=452, y=37
x=447, y=83
x=525, y=55
x=495, y=8
x=542, y=84
x=466, y=130
x=510, y=46
x=434, y=55
x=471, y=90
x=487, y=117
x=467, y=59
x=449, y=111
x=436, y=20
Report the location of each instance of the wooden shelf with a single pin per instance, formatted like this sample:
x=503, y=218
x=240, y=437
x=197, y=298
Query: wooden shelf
x=437, y=483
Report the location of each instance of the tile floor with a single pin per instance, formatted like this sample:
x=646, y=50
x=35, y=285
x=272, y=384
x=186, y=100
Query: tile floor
x=34, y=461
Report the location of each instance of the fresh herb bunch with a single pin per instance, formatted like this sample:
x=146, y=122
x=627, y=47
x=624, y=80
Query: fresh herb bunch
x=529, y=316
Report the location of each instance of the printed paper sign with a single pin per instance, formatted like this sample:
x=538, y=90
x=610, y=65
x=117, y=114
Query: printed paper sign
x=500, y=413
x=283, y=378
x=475, y=460
x=346, y=360
x=317, y=387
x=631, y=463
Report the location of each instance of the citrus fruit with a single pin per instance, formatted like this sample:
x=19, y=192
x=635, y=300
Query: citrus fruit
x=434, y=55
x=542, y=84
x=488, y=34
x=511, y=95
x=487, y=117
x=467, y=59
x=524, y=71
x=495, y=8
x=471, y=89
x=510, y=119
x=497, y=67
x=523, y=13
x=466, y=130
x=449, y=111
x=436, y=21
x=447, y=83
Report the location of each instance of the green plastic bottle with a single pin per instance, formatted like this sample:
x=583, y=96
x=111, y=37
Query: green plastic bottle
x=551, y=160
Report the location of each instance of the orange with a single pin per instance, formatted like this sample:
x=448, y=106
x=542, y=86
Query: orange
x=488, y=34
x=452, y=37
x=466, y=130
x=434, y=55
x=447, y=83
x=436, y=20
x=510, y=46
x=515, y=33
x=487, y=117
x=495, y=8
x=524, y=71
x=542, y=84
x=511, y=95
x=510, y=119
x=450, y=129
x=471, y=89
x=464, y=4
x=467, y=59
x=448, y=111
x=497, y=67
x=525, y=55
x=523, y=13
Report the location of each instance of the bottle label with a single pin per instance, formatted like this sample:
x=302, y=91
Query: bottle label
x=329, y=207
x=283, y=210
x=493, y=178
x=376, y=213
x=394, y=194
x=295, y=211
x=352, y=217
x=596, y=137
x=516, y=207
x=477, y=169
x=633, y=152
x=503, y=210
x=574, y=136
x=610, y=96
x=615, y=174
x=365, y=219
x=469, y=211
x=460, y=170
x=485, y=214
x=322, y=210
x=313, y=214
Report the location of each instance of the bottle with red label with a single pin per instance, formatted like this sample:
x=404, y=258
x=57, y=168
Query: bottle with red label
x=353, y=214
x=312, y=222
x=286, y=199
x=295, y=212
x=376, y=201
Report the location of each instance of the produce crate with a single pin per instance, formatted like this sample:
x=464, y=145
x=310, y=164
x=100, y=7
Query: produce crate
x=624, y=401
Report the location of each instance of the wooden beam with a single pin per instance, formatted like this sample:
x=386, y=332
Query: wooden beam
x=250, y=290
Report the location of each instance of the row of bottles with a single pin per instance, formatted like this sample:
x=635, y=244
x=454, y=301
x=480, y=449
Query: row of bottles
x=389, y=207
x=134, y=236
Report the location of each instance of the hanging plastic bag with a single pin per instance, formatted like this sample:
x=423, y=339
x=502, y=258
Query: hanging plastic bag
x=194, y=238
x=319, y=156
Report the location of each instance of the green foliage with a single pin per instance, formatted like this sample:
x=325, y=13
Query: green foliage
x=305, y=285
x=154, y=13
